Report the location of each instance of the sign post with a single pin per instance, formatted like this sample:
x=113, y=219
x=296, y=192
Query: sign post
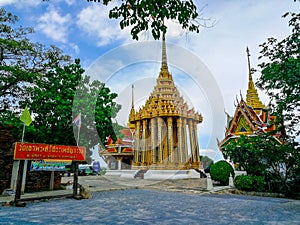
x=34, y=151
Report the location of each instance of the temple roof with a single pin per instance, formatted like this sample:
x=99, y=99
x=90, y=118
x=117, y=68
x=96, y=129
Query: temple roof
x=251, y=117
x=165, y=99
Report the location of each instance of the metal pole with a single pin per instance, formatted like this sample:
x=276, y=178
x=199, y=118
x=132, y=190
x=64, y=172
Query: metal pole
x=75, y=180
x=20, y=173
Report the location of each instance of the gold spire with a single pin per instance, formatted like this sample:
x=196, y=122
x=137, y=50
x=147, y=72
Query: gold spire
x=132, y=96
x=164, y=72
x=132, y=111
x=252, y=98
x=164, y=52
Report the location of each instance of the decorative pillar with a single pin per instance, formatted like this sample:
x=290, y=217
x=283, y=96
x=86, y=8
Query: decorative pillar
x=170, y=139
x=144, y=141
x=180, y=140
x=165, y=143
x=153, y=140
x=137, y=142
x=160, y=139
x=192, y=142
x=196, y=142
x=119, y=163
x=185, y=137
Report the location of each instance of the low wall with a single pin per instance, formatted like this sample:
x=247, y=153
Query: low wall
x=171, y=174
x=128, y=173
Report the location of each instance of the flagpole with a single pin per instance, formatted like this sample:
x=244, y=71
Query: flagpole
x=23, y=132
x=75, y=180
x=26, y=119
x=20, y=174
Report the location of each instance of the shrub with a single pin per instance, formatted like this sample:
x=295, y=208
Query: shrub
x=220, y=171
x=250, y=183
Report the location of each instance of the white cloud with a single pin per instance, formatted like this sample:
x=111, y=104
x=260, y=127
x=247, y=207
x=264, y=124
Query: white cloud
x=95, y=22
x=70, y=2
x=75, y=48
x=20, y=3
x=54, y=25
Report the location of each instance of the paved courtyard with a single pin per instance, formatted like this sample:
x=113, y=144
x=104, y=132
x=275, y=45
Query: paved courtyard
x=144, y=206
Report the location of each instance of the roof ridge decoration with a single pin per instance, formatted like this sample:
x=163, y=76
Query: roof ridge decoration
x=252, y=98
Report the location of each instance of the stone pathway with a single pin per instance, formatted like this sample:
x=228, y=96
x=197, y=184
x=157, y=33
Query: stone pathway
x=135, y=201
x=141, y=206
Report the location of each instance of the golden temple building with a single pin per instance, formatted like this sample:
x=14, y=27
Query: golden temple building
x=251, y=117
x=165, y=127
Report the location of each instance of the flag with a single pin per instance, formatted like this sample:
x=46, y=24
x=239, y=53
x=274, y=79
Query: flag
x=25, y=117
x=77, y=120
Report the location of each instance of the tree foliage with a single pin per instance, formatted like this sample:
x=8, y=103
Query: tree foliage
x=145, y=15
x=22, y=62
x=46, y=81
x=51, y=103
x=250, y=183
x=220, y=171
x=281, y=74
x=262, y=155
x=97, y=107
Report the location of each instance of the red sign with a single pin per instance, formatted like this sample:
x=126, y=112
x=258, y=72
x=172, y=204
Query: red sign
x=30, y=151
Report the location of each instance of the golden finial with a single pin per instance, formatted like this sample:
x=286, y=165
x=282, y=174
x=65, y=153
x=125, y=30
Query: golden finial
x=249, y=67
x=132, y=96
x=252, y=98
x=164, y=72
x=164, y=51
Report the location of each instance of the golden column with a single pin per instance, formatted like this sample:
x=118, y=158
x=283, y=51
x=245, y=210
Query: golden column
x=137, y=143
x=196, y=142
x=170, y=139
x=192, y=141
x=185, y=144
x=180, y=140
x=153, y=140
x=165, y=142
x=144, y=142
x=160, y=139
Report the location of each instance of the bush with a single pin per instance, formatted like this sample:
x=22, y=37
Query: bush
x=220, y=171
x=250, y=183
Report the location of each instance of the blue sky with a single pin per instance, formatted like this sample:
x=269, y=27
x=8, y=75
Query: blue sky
x=210, y=74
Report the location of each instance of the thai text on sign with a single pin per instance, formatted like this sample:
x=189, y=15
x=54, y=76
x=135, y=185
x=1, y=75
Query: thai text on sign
x=30, y=151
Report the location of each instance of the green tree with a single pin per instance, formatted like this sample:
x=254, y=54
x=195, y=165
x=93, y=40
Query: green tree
x=150, y=15
x=54, y=107
x=247, y=152
x=280, y=76
x=96, y=104
x=220, y=171
x=21, y=62
x=263, y=155
x=51, y=102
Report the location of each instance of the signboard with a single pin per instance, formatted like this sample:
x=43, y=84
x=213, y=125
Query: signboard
x=49, y=165
x=33, y=151
x=96, y=166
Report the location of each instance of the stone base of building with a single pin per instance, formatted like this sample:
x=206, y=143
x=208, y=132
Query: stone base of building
x=166, y=166
x=171, y=174
x=121, y=173
x=156, y=174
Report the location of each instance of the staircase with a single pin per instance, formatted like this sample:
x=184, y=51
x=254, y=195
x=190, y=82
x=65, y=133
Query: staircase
x=140, y=174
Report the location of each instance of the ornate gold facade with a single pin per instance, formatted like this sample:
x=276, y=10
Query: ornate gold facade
x=251, y=117
x=165, y=128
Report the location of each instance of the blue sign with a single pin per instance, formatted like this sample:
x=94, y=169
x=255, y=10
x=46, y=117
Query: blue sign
x=96, y=166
